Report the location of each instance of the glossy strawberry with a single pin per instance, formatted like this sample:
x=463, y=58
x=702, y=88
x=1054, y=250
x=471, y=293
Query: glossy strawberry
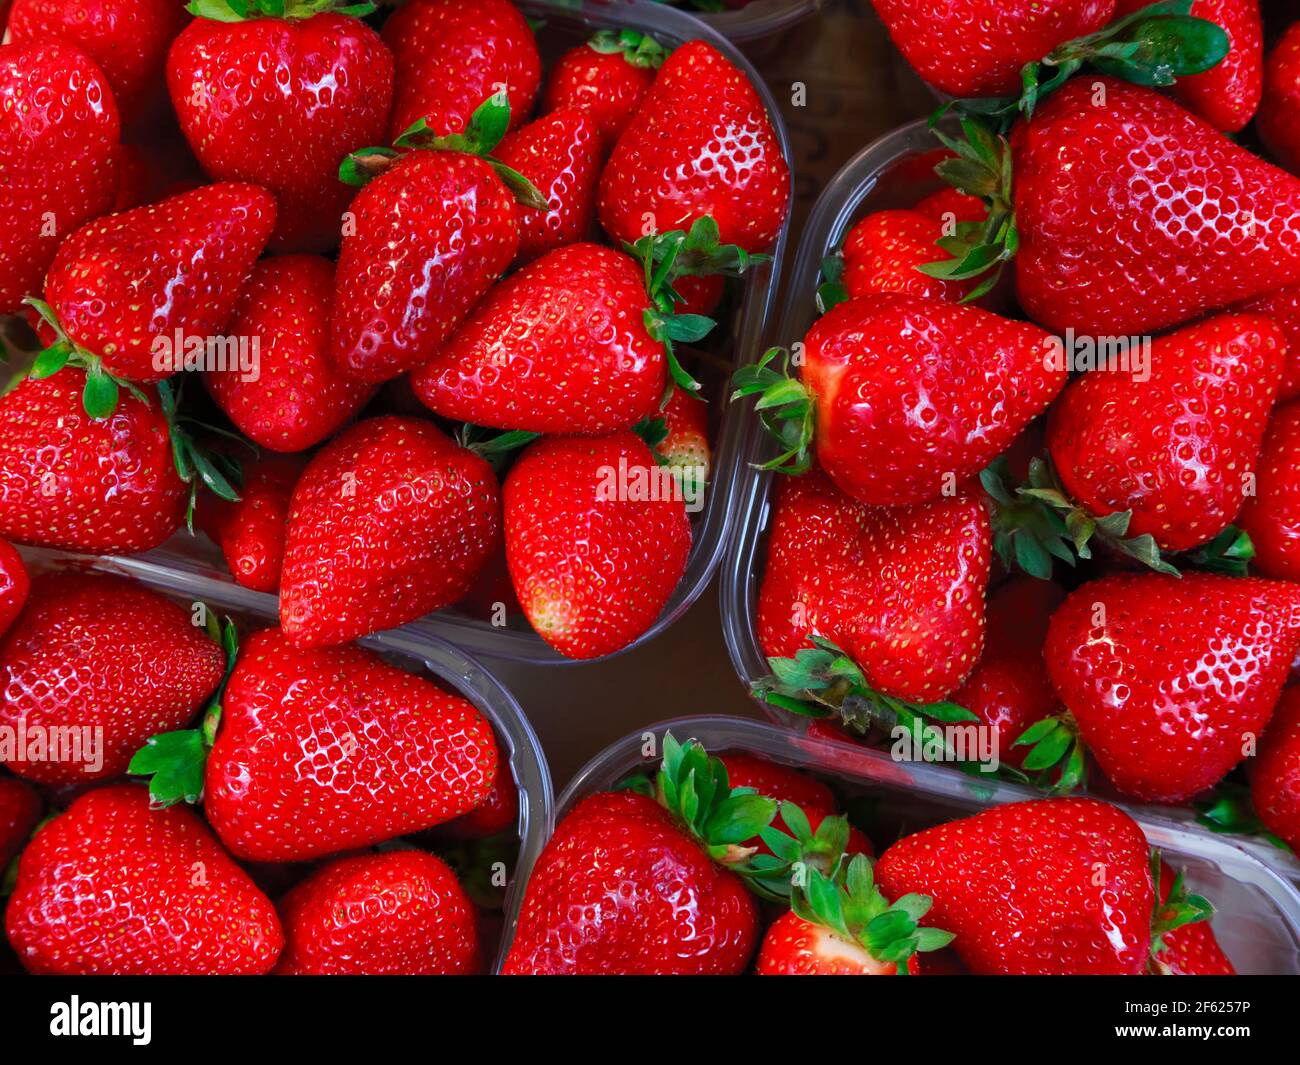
x=14, y=586
x=685, y=444
x=279, y=103
x=948, y=207
x=1283, y=306
x=1018, y=884
x=127, y=287
x=389, y=522
x=451, y=56
x=20, y=807
x=882, y=252
x=400, y=913
x=112, y=887
x=498, y=813
x=607, y=77
x=106, y=485
x=251, y=532
x=1171, y=681
x=1279, y=111
x=433, y=234
x=58, y=158
x=1275, y=772
x=1272, y=515
x=1184, y=949
x=293, y=398
x=597, y=537
x=701, y=143
x=321, y=751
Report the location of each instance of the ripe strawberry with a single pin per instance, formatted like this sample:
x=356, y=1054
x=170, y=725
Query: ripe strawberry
x=949, y=207
x=297, y=398
x=882, y=252
x=401, y=913
x=901, y=589
x=685, y=443
x=1171, y=681
x=978, y=47
x=14, y=586
x=451, y=56
x=20, y=808
x=124, y=289
x=1183, y=942
x=58, y=158
x=904, y=397
x=631, y=887
x=1272, y=516
x=494, y=815
x=1275, y=772
x=596, y=540
x=1283, y=306
x=1019, y=886
x=128, y=39
x=700, y=293
x=100, y=653
x=1279, y=111
x=279, y=102
x=252, y=531
x=607, y=77
x=112, y=887
x=70, y=481
x=560, y=154
x=700, y=144
x=389, y=522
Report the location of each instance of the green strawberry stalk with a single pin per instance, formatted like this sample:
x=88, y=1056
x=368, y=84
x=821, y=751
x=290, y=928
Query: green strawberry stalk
x=1228, y=810
x=637, y=49
x=796, y=850
x=785, y=409
x=1180, y=908
x=197, y=465
x=246, y=10
x=498, y=450
x=1057, y=758
x=174, y=761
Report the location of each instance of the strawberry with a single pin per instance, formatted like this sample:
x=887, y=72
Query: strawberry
x=401, y=913
x=128, y=39
x=67, y=480
x=700, y=293
x=58, y=158
x=1183, y=942
x=112, y=887
x=1283, y=306
x=14, y=587
x=1018, y=884
x=127, y=288
x=451, y=56
x=883, y=250
x=252, y=531
x=1227, y=95
x=701, y=144
x=390, y=521
x=1275, y=772
x=949, y=207
x=20, y=808
x=294, y=398
x=595, y=539
x=1279, y=111
x=1170, y=682
x=902, y=589
x=633, y=886
x=1271, y=517
x=607, y=77
x=99, y=653
x=279, y=102
x=497, y=813
x=560, y=154
x=685, y=443
x=903, y=397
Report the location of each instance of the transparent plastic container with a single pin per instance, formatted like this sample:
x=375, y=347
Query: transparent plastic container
x=893, y=172
x=1258, y=912
x=445, y=664
x=758, y=19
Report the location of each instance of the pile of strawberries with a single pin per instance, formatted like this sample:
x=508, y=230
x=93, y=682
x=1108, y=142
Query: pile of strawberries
x=1044, y=438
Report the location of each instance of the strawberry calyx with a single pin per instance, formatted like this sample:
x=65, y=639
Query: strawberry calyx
x=196, y=464
x=247, y=10
x=831, y=292
x=487, y=127
x=496, y=450
x=785, y=409
x=174, y=762
x=638, y=49
x=1228, y=810
x=1179, y=909
x=654, y=431
x=1057, y=758
x=796, y=850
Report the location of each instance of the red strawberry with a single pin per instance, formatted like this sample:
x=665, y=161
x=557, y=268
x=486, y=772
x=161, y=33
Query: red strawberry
x=297, y=398
x=978, y=47
x=401, y=913
x=433, y=234
x=58, y=158
x=882, y=252
x=20, y=807
x=14, y=586
x=279, y=102
x=901, y=589
x=1227, y=94
x=389, y=522
x=1283, y=306
x=128, y=39
x=1192, y=222
x=607, y=77
x=1275, y=772
x=1179, y=949
x=1170, y=681
x=251, y=532
x=701, y=144
x=112, y=887
x=451, y=56
x=494, y=815
x=1175, y=448
x=1272, y=516
x=949, y=207
x=685, y=443
x=560, y=154
x=596, y=539
x=106, y=485
x=321, y=751
x=1049, y=887
x=1279, y=111
x=700, y=293
x=126, y=288
x=104, y=654
x=904, y=397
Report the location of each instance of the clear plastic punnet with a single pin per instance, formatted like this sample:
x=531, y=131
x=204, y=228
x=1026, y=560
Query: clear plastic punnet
x=1258, y=912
